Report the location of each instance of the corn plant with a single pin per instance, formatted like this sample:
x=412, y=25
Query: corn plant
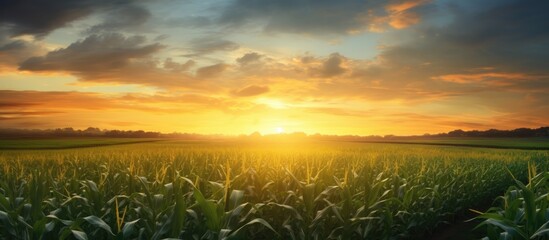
x=524, y=210
x=233, y=190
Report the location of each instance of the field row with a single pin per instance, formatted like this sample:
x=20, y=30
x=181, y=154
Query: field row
x=246, y=191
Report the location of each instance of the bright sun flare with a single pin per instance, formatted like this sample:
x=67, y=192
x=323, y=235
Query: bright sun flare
x=279, y=130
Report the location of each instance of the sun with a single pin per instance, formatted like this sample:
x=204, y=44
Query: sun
x=279, y=130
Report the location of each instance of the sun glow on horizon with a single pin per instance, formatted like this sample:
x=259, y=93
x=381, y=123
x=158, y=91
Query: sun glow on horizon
x=279, y=130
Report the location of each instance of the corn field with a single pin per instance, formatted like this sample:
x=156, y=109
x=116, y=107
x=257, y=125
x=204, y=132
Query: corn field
x=230, y=190
x=523, y=212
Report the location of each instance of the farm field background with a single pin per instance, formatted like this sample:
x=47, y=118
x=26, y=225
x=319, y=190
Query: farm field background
x=512, y=143
x=274, y=120
x=61, y=143
x=76, y=142
x=247, y=190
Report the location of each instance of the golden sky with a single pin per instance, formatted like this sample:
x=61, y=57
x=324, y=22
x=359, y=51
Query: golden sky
x=239, y=66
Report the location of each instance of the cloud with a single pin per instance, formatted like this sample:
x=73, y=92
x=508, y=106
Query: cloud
x=96, y=53
x=125, y=17
x=49, y=103
x=17, y=115
x=492, y=26
x=12, y=46
x=27, y=113
x=189, y=21
x=455, y=57
x=249, y=58
x=483, y=49
x=506, y=35
x=249, y=91
x=316, y=17
x=6, y=103
x=211, y=71
x=13, y=51
x=491, y=78
x=113, y=57
x=402, y=20
x=79, y=110
x=201, y=46
x=178, y=67
x=38, y=17
x=402, y=6
x=333, y=66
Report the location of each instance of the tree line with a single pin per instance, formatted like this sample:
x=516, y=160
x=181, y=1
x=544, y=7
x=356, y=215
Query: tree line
x=71, y=132
x=96, y=132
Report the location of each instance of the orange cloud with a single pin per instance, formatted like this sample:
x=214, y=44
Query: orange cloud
x=400, y=16
x=405, y=5
x=491, y=78
x=249, y=91
x=400, y=20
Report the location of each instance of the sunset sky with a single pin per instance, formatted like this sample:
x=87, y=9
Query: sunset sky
x=238, y=66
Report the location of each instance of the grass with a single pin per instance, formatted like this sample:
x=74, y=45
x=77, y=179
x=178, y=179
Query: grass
x=243, y=190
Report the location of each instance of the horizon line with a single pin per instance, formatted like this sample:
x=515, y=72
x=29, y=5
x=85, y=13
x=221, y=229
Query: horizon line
x=2, y=130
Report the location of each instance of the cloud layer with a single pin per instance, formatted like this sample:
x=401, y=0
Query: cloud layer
x=38, y=17
x=438, y=65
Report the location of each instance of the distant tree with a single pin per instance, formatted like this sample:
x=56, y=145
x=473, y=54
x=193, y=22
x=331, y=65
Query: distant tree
x=456, y=133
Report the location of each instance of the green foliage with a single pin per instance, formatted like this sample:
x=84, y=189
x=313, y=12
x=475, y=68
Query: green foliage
x=191, y=190
x=524, y=211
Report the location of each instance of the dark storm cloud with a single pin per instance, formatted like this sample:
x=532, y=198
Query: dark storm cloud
x=12, y=46
x=310, y=16
x=501, y=47
x=509, y=35
x=127, y=17
x=524, y=21
x=320, y=17
x=39, y=17
x=94, y=54
x=513, y=35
